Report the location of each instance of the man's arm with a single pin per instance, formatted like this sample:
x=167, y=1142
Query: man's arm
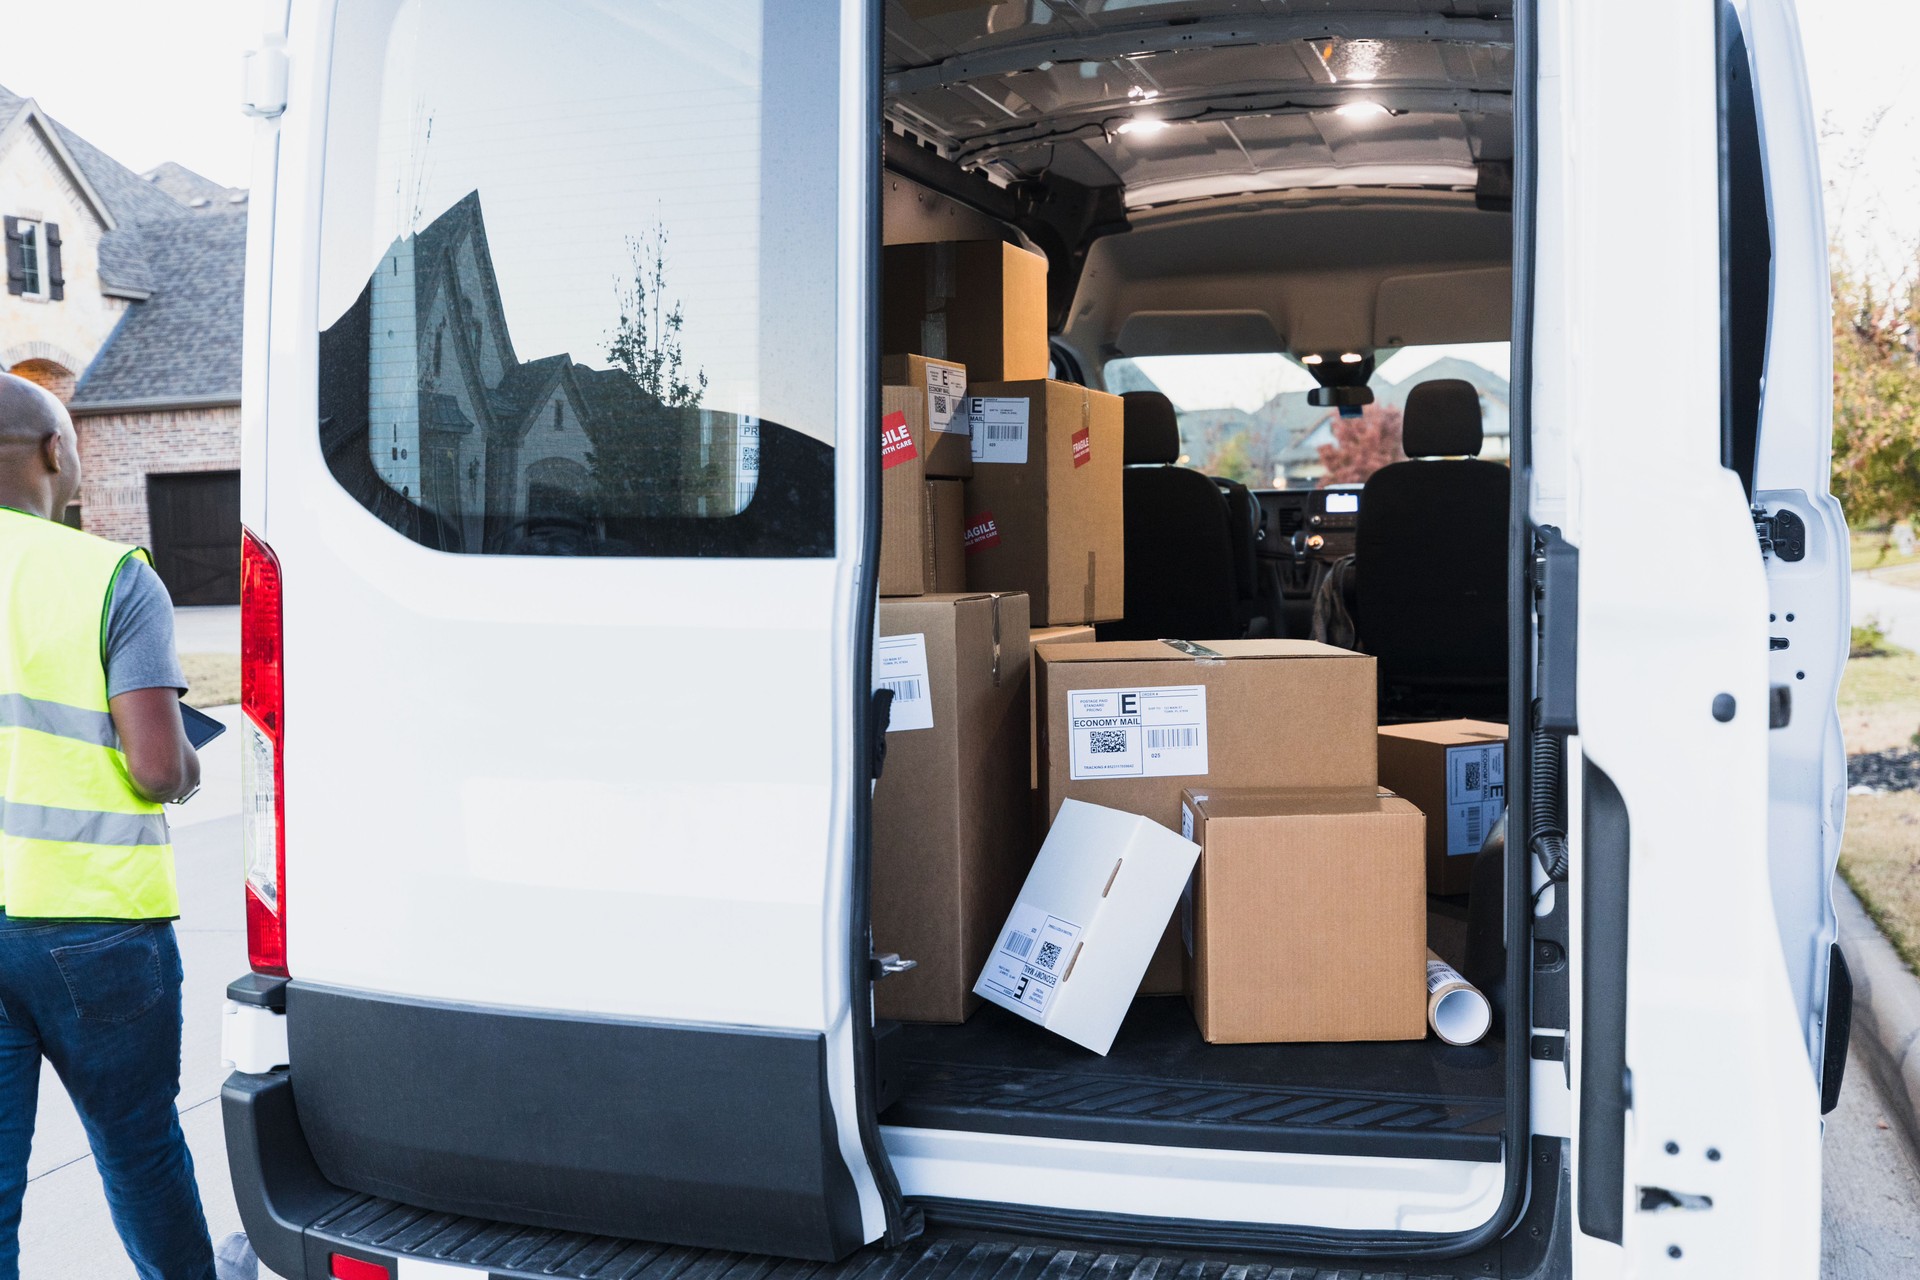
x=162, y=763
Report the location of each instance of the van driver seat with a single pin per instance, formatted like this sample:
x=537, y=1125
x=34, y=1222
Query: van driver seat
x=1430, y=559
x=1179, y=543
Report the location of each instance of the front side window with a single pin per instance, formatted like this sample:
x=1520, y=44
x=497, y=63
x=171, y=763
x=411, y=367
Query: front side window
x=32, y=256
x=577, y=275
x=1245, y=417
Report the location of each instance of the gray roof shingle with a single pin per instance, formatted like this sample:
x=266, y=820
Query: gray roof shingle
x=184, y=341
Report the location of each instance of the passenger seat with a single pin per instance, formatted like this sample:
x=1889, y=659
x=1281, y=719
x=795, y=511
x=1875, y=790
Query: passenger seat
x=1430, y=557
x=1180, y=550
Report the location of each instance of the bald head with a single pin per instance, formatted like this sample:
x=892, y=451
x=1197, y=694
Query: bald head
x=39, y=453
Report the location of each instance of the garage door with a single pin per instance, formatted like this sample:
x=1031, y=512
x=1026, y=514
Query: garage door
x=195, y=519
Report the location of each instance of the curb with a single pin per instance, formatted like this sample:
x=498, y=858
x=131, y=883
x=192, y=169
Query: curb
x=1886, y=1010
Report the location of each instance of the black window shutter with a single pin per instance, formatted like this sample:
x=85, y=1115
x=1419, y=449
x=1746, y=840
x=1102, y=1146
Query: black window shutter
x=56, y=278
x=16, y=258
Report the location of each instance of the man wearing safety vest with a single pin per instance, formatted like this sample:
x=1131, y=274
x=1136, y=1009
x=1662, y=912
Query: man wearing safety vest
x=91, y=745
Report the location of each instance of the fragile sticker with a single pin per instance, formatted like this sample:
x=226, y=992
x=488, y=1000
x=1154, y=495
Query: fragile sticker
x=896, y=441
x=1035, y=953
x=999, y=427
x=982, y=531
x=1083, y=446
x=1137, y=733
x=947, y=399
x=900, y=664
x=1476, y=794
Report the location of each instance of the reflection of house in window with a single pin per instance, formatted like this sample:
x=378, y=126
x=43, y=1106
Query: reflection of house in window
x=557, y=488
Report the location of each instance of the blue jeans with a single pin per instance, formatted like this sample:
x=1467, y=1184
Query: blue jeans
x=101, y=1002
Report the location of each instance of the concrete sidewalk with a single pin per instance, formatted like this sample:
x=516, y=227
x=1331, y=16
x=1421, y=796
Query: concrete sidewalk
x=208, y=628
x=1895, y=609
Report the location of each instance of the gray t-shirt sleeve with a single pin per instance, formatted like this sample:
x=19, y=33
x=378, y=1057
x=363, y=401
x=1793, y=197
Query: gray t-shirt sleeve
x=140, y=653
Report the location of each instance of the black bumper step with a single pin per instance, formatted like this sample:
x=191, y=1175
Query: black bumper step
x=1163, y=1086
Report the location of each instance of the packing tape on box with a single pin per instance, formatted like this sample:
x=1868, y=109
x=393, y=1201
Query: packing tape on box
x=1198, y=652
x=1456, y=1009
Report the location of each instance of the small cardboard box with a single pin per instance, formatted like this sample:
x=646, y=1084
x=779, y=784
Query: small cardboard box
x=950, y=812
x=1086, y=922
x=1044, y=505
x=946, y=525
x=1039, y=636
x=1131, y=723
x=905, y=522
x=1307, y=917
x=1456, y=771
x=980, y=303
x=949, y=453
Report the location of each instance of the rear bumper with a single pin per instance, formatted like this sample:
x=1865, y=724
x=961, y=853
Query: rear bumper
x=699, y=1136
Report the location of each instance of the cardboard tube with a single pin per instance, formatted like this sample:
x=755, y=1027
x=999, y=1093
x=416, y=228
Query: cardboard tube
x=1456, y=1010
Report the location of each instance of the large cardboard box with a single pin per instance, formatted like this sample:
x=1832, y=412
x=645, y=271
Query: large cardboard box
x=946, y=535
x=1044, y=506
x=1131, y=723
x=979, y=303
x=943, y=384
x=905, y=525
x=1456, y=771
x=950, y=815
x=1086, y=922
x=1307, y=916
x=1082, y=634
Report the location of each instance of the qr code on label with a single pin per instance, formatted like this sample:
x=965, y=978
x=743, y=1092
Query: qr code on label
x=1109, y=742
x=1049, y=956
x=1472, y=780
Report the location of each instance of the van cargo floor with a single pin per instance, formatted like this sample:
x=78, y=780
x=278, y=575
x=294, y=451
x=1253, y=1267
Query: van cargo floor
x=1163, y=1086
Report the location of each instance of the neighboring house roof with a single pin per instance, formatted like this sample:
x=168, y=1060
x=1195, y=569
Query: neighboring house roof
x=183, y=343
x=201, y=194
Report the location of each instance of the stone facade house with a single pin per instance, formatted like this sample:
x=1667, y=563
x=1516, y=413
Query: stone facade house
x=124, y=298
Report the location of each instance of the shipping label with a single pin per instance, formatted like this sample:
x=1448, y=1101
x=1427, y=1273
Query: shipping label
x=982, y=531
x=1476, y=794
x=1083, y=446
x=947, y=399
x=1137, y=733
x=1033, y=958
x=900, y=664
x=999, y=428
x=896, y=441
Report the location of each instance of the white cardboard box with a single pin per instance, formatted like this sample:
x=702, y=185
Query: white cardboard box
x=1084, y=929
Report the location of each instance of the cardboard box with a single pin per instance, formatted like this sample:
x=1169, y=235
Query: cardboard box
x=950, y=814
x=905, y=543
x=1044, y=505
x=1039, y=636
x=946, y=528
x=1456, y=771
x=980, y=303
x=949, y=451
x=1307, y=917
x=1086, y=922
x=1170, y=714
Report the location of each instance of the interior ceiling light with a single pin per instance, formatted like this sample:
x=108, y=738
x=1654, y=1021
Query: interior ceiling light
x=1310, y=359
x=1361, y=110
x=1350, y=357
x=1145, y=126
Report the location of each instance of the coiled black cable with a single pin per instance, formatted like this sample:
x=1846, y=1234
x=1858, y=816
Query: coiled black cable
x=1546, y=825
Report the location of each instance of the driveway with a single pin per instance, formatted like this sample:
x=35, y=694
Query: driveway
x=207, y=628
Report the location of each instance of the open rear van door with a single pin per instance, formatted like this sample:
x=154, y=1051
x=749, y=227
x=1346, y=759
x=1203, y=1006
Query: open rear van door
x=1696, y=1133
x=568, y=472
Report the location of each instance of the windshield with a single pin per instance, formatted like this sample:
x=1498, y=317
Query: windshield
x=1245, y=417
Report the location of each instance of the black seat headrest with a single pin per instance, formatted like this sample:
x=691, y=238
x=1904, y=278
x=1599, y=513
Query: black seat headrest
x=1153, y=430
x=1441, y=420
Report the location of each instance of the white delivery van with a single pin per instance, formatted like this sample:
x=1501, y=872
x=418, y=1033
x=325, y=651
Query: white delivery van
x=561, y=486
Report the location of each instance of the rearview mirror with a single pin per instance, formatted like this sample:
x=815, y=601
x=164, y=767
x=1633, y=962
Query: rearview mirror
x=1340, y=397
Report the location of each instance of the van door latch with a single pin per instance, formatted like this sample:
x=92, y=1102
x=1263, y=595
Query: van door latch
x=1782, y=534
x=885, y=966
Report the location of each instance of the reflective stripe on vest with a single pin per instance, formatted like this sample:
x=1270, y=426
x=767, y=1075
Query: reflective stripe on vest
x=76, y=840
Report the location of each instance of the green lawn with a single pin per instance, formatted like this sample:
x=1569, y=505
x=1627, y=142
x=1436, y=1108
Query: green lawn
x=1880, y=710
x=1872, y=550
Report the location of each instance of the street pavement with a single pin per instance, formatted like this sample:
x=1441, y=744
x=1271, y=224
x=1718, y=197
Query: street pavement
x=1872, y=1201
x=207, y=628
x=1896, y=609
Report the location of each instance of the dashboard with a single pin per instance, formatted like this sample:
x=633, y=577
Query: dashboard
x=1302, y=533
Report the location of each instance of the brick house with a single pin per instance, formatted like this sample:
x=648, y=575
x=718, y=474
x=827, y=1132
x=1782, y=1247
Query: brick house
x=123, y=297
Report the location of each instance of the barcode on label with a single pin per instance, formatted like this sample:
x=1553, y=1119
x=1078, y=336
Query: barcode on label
x=1472, y=780
x=1020, y=944
x=1005, y=430
x=1474, y=834
x=1106, y=742
x=1162, y=739
x=1049, y=956
x=908, y=690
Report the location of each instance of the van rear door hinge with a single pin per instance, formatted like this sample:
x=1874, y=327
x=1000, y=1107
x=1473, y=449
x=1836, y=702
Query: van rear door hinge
x=1555, y=581
x=1782, y=533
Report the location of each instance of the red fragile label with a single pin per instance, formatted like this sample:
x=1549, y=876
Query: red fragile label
x=1082, y=447
x=896, y=441
x=982, y=532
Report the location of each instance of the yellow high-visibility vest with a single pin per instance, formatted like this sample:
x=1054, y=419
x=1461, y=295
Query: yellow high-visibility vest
x=76, y=840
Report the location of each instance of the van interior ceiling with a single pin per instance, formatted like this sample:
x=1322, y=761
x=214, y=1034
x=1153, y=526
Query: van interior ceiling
x=1322, y=190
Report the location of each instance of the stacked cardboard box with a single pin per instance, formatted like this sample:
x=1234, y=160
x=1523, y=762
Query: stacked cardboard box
x=1307, y=916
x=942, y=388
x=1044, y=511
x=920, y=515
x=1456, y=772
x=979, y=303
x=950, y=812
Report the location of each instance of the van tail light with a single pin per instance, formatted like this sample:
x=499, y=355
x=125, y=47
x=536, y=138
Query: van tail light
x=341, y=1267
x=263, y=831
